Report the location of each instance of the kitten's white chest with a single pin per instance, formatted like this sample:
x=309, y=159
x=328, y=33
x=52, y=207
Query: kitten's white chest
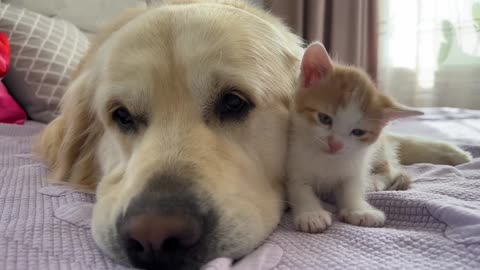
x=335, y=167
x=322, y=170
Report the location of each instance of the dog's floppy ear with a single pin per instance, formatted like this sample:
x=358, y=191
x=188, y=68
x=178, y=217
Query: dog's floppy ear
x=68, y=144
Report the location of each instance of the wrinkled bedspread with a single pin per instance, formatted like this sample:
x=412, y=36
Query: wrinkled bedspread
x=434, y=225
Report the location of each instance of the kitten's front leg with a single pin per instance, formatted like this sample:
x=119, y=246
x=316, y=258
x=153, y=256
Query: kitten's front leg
x=354, y=208
x=308, y=213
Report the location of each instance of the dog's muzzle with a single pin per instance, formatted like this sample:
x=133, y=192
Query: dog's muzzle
x=167, y=226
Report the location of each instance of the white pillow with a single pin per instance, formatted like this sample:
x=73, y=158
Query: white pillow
x=88, y=15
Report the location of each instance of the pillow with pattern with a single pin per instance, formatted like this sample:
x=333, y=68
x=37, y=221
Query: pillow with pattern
x=44, y=52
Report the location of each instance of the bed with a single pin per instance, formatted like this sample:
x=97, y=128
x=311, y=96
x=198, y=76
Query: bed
x=434, y=225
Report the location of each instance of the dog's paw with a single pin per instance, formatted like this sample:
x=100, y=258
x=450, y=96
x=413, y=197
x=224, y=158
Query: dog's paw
x=365, y=217
x=313, y=221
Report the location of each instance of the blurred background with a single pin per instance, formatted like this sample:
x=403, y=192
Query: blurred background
x=423, y=52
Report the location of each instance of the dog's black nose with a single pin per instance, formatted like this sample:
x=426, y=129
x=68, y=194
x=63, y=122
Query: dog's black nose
x=154, y=241
x=170, y=225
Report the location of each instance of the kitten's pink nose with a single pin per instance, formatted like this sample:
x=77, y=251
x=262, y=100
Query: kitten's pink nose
x=334, y=145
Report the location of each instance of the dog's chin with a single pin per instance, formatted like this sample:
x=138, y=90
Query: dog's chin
x=112, y=247
x=109, y=247
x=104, y=238
x=219, y=241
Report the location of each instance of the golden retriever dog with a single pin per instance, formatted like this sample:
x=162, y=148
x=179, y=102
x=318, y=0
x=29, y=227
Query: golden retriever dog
x=178, y=118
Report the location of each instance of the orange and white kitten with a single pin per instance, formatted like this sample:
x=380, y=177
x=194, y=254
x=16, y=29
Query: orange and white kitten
x=337, y=146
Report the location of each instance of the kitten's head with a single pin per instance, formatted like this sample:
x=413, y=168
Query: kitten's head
x=341, y=105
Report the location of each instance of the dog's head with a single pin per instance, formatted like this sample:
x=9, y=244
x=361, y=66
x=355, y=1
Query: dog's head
x=179, y=116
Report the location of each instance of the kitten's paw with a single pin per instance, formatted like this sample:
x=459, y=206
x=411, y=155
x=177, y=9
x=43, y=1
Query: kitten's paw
x=400, y=182
x=366, y=217
x=313, y=221
x=378, y=183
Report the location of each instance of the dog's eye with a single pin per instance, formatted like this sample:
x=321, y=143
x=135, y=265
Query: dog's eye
x=124, y=119
x=233, y=106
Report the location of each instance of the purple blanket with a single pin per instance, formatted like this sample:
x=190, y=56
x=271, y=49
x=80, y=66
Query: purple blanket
x=434, y=225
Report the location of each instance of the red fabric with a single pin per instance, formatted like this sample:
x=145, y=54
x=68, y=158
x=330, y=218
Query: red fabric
x=10, y=111
x=4, y=54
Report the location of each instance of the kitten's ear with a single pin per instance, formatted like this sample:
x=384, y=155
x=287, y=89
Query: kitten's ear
x=397, y=111
x=316, y=63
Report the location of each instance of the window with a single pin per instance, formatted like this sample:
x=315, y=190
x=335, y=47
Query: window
x=429, y=52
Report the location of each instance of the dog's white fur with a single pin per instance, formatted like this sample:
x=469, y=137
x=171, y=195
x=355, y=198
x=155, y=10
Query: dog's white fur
x=170, y=63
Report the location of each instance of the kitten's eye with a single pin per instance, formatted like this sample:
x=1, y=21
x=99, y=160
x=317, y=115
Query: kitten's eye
x=358, y=132
x=232, y=105
x=325, y=119
x=124, y=119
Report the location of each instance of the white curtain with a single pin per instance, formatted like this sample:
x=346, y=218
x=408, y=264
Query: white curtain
x=429, y=52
